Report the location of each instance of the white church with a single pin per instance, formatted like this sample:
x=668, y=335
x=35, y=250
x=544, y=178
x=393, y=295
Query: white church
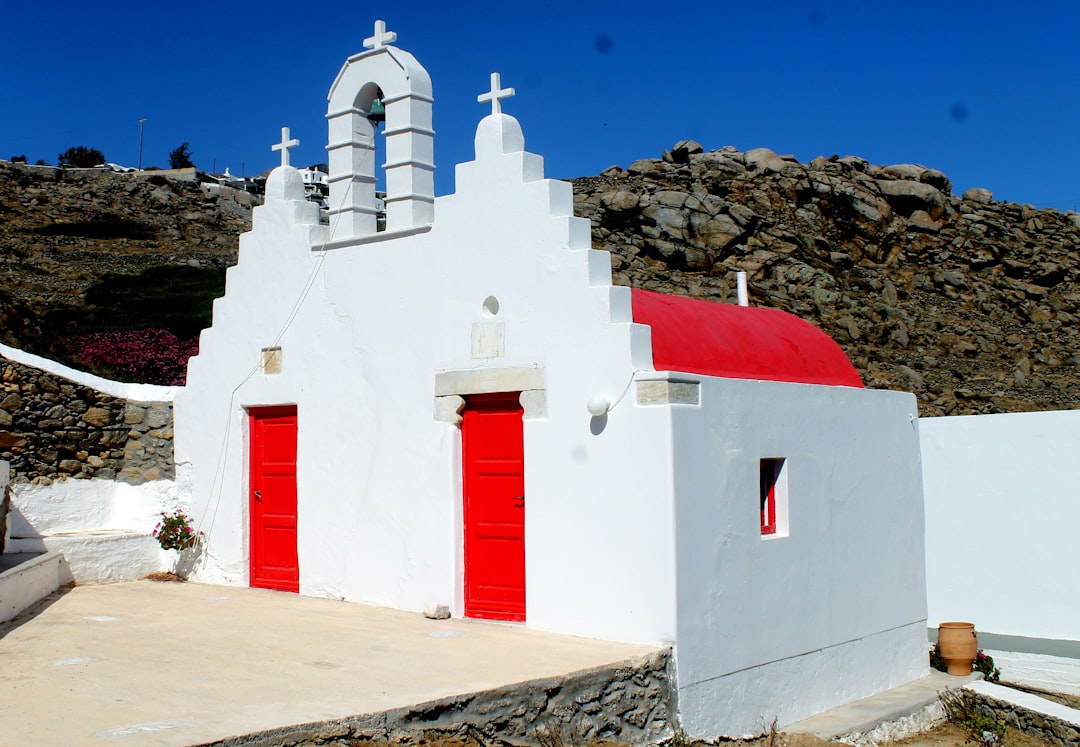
x=459, y=409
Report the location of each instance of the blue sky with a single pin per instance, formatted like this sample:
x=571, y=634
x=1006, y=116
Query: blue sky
x=987, y=92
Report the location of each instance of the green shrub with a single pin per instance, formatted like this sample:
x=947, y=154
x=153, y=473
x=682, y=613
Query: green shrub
x=103, y=227
x=178, y=298
x=962, y=709
x=80, y=157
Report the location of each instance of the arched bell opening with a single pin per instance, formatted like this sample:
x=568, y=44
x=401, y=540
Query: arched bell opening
x=380, y=139
x=371, y=103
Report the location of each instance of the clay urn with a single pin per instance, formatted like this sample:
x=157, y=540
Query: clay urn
x=958, y=645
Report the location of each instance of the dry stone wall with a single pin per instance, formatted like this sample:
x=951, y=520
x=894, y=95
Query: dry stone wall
x=1043, y=726
x=629, y=703
x=52, y=428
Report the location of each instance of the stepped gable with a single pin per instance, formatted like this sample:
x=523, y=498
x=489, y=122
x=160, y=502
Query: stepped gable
x=739, y=342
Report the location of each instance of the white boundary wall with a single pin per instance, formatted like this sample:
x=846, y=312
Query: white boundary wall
x=103, y=527
x=144, y=392
x=1002, y=514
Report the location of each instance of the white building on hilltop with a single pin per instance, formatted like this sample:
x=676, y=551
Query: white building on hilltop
x=462, y=410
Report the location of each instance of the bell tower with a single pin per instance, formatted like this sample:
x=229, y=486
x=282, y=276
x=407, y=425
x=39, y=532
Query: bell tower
x=381, y=77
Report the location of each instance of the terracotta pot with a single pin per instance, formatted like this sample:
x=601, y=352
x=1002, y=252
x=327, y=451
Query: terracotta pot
x=958, y=644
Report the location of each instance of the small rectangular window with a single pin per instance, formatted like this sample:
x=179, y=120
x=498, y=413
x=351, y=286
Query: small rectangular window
x=773, y=497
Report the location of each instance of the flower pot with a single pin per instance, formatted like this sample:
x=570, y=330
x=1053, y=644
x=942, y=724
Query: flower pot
x=958, y=645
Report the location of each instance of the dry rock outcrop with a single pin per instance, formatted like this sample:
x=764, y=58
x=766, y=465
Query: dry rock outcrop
x=968, y=302
x=61, y=230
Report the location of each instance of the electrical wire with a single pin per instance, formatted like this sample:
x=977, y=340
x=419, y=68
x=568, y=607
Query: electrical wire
x=217, y=484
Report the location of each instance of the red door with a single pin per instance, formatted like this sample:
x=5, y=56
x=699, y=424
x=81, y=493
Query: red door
x=494, y=459
x=274, y=563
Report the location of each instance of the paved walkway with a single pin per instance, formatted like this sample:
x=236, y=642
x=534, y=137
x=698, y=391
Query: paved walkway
x=148, y=663
x=890, y=707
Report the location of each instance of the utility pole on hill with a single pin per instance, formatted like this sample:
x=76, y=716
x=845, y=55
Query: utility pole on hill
x=141, y=121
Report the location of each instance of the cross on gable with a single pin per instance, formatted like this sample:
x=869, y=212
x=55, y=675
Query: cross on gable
x=285, y=145
x=496, y=94
x=381, y=38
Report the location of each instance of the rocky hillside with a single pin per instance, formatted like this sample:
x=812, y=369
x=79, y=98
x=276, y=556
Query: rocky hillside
x=62, y=232
x=968, y=302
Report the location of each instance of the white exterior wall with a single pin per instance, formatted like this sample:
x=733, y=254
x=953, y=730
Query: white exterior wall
x=1001, y=550
x=1002, y=513
x=382, y=335
x=786, y=627
x=379, y=477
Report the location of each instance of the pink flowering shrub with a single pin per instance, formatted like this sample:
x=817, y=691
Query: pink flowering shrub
x=174, y=532
x=148, y=356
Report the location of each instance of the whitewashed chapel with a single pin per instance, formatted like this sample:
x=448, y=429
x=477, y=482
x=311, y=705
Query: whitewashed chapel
x=459, y=408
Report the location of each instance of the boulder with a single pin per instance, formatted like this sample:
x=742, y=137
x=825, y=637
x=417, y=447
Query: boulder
x=906, y=197
x=682, y=150
x=977, y=194
x=620, y=201
x=905, y=171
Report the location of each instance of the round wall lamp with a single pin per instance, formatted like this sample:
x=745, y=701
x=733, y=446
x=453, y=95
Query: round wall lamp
x=598, y=405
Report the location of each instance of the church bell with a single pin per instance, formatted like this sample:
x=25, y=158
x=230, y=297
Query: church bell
x=377, y=112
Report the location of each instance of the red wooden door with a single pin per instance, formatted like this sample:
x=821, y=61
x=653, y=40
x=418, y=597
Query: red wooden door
x=274, y=562
x=494, y=476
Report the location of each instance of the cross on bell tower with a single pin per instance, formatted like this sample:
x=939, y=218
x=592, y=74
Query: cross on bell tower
x=285, y=145
x=381, y=38
x=381, y=77
x=496, y=94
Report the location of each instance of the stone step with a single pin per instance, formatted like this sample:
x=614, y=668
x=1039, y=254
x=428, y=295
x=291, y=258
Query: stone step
x=26, y=578
x=101, y=556
x=893, y=714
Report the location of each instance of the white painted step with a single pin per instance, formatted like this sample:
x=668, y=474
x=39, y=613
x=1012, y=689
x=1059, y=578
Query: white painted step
x=30, y=578
x=101, y=556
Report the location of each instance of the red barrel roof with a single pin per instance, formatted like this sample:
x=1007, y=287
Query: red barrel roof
x=739, y=342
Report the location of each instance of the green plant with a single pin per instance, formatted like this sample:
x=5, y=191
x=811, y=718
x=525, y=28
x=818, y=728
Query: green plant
x=679, y=737
x=936, y=660
x=549, y=734
x=174, y=532
x=983, y=663
x=961, y=708
x=80, y=157
x=178, y=298
x=99, y=227
x=180, y=157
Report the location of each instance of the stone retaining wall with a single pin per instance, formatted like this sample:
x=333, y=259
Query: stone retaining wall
x=53, y=428
x=1044, y=726
x=627, y=703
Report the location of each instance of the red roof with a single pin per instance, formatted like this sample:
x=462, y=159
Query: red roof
x=739, y=342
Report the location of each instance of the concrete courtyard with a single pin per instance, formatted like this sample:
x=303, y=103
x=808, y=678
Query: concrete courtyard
x=152, y=663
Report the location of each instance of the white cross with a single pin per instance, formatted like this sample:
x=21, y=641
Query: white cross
x=496, y=94
x=381, y=38
x=285, y=145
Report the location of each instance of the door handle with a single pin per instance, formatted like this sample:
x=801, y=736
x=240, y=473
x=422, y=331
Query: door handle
x=258, y=496
x=519, y=501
